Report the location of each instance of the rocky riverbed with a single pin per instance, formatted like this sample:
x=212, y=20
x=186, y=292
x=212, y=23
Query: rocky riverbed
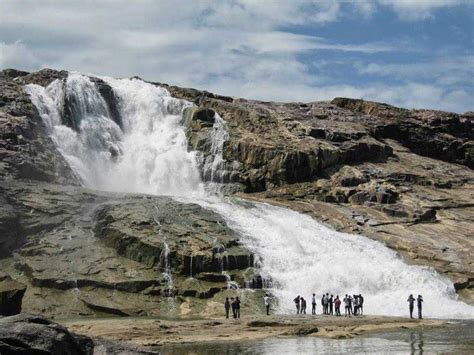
x=403, y=177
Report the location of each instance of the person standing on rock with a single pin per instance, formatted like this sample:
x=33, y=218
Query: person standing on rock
x=303, y=306
x=361, y=304
x=234, y=309
x=351, y=311
x=297, y=304
x=337, y=304
x=268, y=301
x=237, y=307
x=411, y=303
x=419, y=301
x=356, y=304
x=331, y=302
x=347, y=306
x=313, y=303
x=227, y=307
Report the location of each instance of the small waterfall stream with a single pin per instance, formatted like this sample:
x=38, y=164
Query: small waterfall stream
x=168, y=277
x=149, y=155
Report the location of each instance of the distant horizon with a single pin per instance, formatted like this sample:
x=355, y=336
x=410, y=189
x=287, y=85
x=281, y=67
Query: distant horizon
x=410, y=54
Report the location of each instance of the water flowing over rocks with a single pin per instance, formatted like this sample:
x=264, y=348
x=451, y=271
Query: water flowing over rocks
x=398, y=176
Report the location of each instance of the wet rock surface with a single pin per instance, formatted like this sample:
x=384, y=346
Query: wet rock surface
x=116, y=254
x=26, y=151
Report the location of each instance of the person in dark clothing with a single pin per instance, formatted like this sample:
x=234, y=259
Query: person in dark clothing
x=297, y=304
x=331, y=301
x=350, y=305
x=419, y=301
x=361, y=304
x=323, y=303
x=337, y=305
x=237, y=307
x=411, y=303
x=327, y=303
x=303, y=306
x=267, y=300
x=227, y=307
x=313, y=304
x=234, y=310
x=356, y=305
x=346, y=306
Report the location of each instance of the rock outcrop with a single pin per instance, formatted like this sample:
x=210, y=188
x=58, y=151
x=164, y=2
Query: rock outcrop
x=26, y=151
x=403, y=177
x=30, y=334
x=35, y=334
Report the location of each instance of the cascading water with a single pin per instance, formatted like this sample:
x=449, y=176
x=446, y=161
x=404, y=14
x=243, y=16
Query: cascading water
x=214, y=164
x=150, y=155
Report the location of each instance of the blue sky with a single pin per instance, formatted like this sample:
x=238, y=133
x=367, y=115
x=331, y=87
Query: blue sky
x=410, y=53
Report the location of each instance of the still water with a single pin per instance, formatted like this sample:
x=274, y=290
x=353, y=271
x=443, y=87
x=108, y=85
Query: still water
x=457, y=338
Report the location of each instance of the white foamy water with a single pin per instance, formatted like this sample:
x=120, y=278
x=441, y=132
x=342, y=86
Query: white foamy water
x=150, y=155
x=304, y=257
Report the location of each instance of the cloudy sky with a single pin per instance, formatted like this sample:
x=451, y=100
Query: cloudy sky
x=411, y=53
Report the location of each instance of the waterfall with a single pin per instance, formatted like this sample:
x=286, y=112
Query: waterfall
x=300, y=255
x=150, y=154
x=214, y=164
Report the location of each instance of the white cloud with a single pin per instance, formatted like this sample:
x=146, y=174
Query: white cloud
x=410, y=95
x=13, y=55
x=444, y=70
x=414, y=10
x=238, y=47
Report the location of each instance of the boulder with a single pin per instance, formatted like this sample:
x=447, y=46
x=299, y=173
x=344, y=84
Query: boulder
x=32, y=334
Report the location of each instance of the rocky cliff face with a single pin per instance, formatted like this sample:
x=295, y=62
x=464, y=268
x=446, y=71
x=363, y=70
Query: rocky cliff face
x=399, y=176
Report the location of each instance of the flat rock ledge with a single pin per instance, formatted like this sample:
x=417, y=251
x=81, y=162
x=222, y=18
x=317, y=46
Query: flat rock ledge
x=153, y=332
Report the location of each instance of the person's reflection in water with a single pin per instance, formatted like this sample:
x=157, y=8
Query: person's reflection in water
x=416, y=343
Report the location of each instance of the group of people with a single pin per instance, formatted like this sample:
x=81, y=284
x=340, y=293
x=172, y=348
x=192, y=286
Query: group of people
x=353, y=305
x=332, y=306
x=233, y=303
x=411, y=305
